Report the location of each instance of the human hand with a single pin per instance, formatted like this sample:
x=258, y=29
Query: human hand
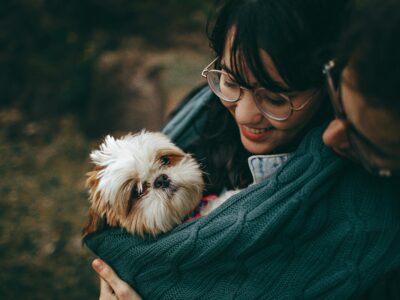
x=111, y=286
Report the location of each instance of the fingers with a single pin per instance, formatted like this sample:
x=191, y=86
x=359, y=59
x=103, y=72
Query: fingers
x=106, y=273
x=111, y=285
x=106, y=292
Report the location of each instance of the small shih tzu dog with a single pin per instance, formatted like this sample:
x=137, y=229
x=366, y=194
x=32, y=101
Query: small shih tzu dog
x=142, y=183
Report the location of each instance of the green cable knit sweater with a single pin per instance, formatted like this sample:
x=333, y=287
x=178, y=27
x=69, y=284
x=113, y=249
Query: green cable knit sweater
x=319, y=228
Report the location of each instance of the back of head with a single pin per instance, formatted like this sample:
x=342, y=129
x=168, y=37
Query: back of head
x=371, y=48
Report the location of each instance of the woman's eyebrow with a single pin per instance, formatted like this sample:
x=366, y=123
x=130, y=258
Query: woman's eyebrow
x=255, y=85
x=232, y=74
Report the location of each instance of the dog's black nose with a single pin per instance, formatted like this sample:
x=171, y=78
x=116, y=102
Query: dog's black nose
x=162, y=182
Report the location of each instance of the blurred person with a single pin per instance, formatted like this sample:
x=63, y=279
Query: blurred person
x=363, y=82
x=365, y=93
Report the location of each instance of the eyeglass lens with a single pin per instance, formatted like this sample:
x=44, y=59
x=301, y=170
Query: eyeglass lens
x=271, y=104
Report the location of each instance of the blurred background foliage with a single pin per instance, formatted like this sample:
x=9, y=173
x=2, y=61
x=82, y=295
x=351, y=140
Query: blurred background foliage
x=71, y=72
x=50, y=47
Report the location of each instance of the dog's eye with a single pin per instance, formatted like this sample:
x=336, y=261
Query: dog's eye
x=134, y=193
x=165, y=160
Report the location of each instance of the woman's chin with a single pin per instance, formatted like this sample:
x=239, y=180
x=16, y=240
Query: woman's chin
x=257, y=148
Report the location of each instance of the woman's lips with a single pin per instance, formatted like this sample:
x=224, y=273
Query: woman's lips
x=256, y=134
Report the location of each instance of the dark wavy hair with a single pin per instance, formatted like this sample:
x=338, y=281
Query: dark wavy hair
x=299, y=36
x=371, y=48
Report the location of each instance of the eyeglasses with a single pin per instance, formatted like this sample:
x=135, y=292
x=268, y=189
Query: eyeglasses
x=368, y=154
x=275, y=106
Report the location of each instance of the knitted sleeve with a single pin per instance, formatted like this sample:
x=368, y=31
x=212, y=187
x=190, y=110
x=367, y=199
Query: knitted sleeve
x=315, y=229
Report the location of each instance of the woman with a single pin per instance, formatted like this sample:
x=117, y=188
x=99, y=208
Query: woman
x=281, y=48
x=292, y=235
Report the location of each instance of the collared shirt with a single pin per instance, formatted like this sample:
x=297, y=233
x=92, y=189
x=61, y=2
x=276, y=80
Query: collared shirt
x=263, y=166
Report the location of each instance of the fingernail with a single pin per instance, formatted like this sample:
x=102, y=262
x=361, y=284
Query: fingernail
x=98, y=264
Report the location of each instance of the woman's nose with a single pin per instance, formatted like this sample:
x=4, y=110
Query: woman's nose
x=335, y=135
x=246, y=111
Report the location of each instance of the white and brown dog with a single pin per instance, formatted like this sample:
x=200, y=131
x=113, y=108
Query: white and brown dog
x=143, y=183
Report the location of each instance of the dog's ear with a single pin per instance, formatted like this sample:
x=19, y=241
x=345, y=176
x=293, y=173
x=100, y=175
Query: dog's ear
x=96, y=222
x=92, y=183
x=92, y=179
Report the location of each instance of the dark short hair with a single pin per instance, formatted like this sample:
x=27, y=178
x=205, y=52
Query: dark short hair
x=371, y=48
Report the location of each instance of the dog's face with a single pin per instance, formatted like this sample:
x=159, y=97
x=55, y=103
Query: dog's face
x=143, y=183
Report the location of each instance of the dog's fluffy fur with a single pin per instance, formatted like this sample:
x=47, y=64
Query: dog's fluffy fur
x=143, y=183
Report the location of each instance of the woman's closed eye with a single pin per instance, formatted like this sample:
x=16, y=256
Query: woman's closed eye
x=276, y=101
x=230, y=84
x=269, y=98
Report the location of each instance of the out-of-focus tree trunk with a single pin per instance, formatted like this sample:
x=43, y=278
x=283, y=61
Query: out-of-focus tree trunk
x=127, y=94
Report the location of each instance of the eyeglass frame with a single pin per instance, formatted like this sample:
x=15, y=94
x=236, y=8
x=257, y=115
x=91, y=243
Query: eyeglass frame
x=337, y=103
x=207, y=70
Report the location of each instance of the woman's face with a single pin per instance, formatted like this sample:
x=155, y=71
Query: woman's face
x=258, y=134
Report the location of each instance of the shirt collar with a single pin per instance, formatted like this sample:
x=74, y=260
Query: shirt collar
x=263, y=166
